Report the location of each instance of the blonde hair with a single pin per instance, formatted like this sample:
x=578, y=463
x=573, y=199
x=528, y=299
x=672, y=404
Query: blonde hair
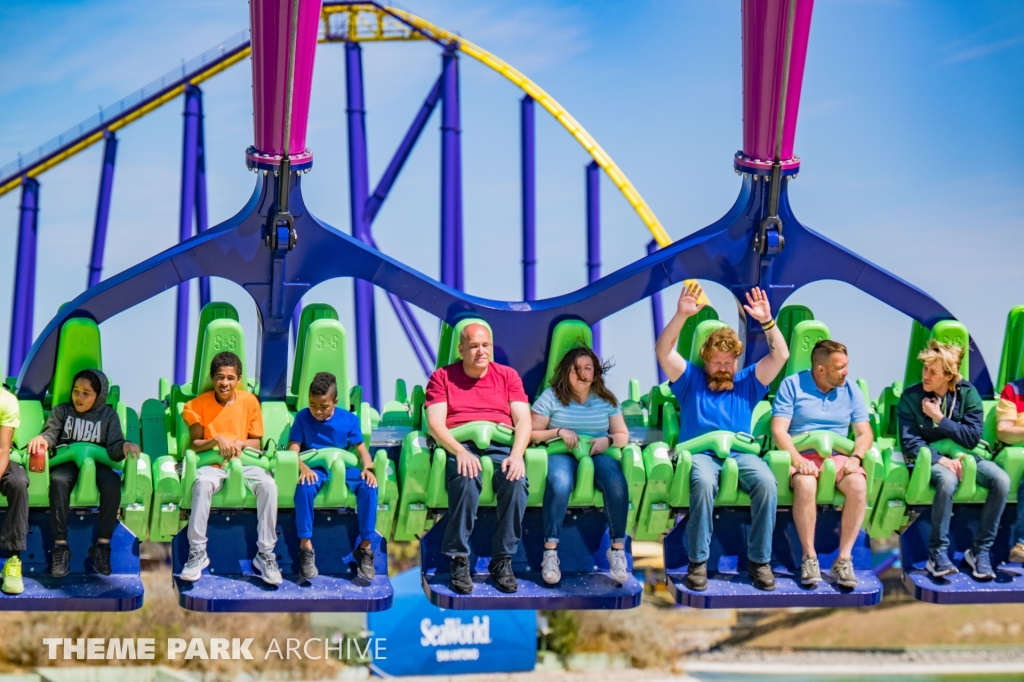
x=722, y=340
x=948, y=354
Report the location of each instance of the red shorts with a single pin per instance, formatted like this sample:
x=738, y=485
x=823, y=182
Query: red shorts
x=818, y=461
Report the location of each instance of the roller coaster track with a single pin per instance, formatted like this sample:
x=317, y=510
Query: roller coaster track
x=342, y=21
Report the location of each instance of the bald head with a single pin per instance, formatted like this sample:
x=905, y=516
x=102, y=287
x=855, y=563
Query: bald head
x=475, y=348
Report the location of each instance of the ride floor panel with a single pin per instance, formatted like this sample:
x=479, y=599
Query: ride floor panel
x=230, y=584
x=730, y=586
x=82, y=589
x=962, y=587
x=585, y=584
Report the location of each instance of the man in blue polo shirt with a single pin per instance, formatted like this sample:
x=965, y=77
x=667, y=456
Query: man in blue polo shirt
x=820, y=399
x=717, y=397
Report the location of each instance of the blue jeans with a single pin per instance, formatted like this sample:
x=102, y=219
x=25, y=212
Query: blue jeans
x=990, y=476
x=756, y=480
x=366, y=503
x=608, y=478
x=464, y=499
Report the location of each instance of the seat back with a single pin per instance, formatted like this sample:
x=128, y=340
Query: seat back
x=214, y=310
x=310, y=314
x=220, y=334
x=787, y=319
x=686, y=336
x=444, y=346
x=804, y=337
x=1011, y=364
x=950, y=332
x=700, y=335
x=568, y=334
x=79, y=348
x=453, y=355
x=324, y=349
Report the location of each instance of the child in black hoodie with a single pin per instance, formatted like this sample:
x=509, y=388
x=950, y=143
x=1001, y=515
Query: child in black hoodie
x=87, y=418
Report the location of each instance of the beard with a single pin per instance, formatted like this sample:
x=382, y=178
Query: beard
x=720, y=381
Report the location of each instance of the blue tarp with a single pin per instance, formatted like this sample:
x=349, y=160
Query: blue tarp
x=422, y=639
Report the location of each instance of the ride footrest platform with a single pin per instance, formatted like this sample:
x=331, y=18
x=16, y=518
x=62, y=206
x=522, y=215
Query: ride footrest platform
x=231, y=585
x=583, y=544
x=729, y=584
x=83, y=589
x=962, y=587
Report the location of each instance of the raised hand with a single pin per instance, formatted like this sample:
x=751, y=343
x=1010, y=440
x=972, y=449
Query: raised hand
x=689, y=300
x=757, y=305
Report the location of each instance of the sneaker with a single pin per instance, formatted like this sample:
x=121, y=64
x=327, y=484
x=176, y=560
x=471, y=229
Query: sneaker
x=364, y=563
x=939, y=564
x=13, y=584
x=461, y=581
x=198, y=559
x=810, y=571
x=266, y=565
x=307, y=564
x=980, y=563
x=61, y=558
x=549, y=569
x=843, y=574
x=697, y=576
x=501, y=570
x=762, y=576
x=619, y=566
x=1017, y=554
x=100, y=555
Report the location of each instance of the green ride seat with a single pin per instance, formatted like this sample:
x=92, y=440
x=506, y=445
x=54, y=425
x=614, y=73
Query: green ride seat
x=80, y=347
x=903, y=486
x=322, y=347
x=569, y=334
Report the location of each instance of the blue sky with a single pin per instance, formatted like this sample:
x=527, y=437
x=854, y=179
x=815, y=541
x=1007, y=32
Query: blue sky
x=910, y=133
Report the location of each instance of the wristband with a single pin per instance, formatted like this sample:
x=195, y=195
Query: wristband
x=768, y=325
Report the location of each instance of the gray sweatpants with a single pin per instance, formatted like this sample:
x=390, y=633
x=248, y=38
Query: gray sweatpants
x=209, y=480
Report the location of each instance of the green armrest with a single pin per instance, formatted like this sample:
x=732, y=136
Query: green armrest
x=920, y=490
x=247, y=458
x=722, y=443
x=86, y=456
x=414, y=476
x=652, y=517
x=1011, y=460
x=536, y=461
x=232, y=494
x=483, y=434
x=824, y=443
x=285, y=466
x=582, y=449
x=953, y=450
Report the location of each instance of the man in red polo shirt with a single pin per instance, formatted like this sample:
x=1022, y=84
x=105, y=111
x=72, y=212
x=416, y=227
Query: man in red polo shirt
x=476, y=389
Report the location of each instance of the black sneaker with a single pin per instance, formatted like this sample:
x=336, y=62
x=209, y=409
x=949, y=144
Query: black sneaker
x=501, y=571
x=762, y=576
x=364, y=563
x=100, y=555
x=697, y=576
x=307, y=564
x=461, y=581
x=61, y=559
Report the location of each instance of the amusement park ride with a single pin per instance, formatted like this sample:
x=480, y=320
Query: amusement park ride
x=277, y=250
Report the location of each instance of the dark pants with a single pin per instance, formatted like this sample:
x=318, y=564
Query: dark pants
x=464, y=498
x=990, y=477
x=14, y=486
x=62, y=482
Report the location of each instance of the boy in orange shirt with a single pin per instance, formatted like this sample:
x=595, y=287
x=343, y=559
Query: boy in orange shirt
x=229, y=420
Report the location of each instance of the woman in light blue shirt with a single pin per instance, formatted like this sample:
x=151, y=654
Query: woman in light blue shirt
x=578, y=404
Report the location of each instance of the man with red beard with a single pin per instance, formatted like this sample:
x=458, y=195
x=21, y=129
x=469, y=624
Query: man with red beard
x=719, y=397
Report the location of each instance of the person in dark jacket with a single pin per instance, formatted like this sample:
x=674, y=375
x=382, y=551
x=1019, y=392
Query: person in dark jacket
x=944, y=406
x=86, y=419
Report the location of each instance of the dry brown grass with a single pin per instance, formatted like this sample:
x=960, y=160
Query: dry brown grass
x=907, y=624
x=21, y=635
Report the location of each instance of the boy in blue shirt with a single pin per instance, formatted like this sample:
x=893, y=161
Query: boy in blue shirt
x=324, y=425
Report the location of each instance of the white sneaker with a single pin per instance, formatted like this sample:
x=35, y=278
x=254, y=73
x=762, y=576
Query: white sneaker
x=266, y=566
x=619, y=566
x=549, y=570
x=198, y=559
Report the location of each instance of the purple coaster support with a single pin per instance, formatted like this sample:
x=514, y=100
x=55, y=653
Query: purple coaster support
x=24, y=276
x=99, y=235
